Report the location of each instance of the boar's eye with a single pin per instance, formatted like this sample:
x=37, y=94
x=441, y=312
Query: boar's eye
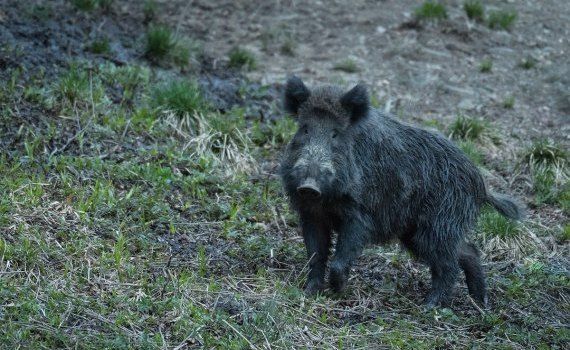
x=334, y=134
x=305, y=130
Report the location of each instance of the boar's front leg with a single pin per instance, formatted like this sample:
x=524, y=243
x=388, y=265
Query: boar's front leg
x=317, y=236
x=352, y=238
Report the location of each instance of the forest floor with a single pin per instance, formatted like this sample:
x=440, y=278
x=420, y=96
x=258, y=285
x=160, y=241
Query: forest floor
x=139, y=143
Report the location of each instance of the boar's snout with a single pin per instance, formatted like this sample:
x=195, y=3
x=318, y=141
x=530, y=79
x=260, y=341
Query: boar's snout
x=309, y=189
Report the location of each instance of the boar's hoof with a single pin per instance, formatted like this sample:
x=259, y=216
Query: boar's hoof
x=314, y=287
x=435, y=299
x=338, y=278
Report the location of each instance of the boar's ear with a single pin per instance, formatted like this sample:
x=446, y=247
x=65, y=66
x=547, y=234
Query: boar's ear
x=295, y=94
x=356, y=102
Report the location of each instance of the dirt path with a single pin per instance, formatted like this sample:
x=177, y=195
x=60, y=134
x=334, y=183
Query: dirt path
x=420, y=73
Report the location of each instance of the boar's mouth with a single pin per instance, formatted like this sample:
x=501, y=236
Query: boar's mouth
x=309, y=189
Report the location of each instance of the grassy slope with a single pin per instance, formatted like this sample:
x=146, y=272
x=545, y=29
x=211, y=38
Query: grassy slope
x=128, y=225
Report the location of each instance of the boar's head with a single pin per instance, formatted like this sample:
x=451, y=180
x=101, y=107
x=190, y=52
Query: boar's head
x=318, y=153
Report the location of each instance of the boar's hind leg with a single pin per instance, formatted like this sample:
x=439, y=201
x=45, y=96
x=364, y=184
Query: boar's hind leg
x=352, y=238
x=442, y=260
x=468, y=257
x=444, y=271
x=317, y=236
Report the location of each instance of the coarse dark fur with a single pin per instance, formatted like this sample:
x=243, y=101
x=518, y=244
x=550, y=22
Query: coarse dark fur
x=354, y=171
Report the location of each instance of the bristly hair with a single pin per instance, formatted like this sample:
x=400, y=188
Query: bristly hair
x=296, y=93
x=356, y=102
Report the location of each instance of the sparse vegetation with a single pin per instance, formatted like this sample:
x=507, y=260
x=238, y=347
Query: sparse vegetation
x=491, y=223
x=501, y=19
x=544, y=152
x=85, y=5
x=348, y=66
x=431, y=11
x=288, y=47
x=486, y=65
x=474, y=10
x=509, y=102
x=159, y=42
x=105, y=5
x=77, y=86
x=100, y=46
x=180, y=97
x=242, y=59
x=548, y=166
x=163, y=46
x=467, y=128
x=471, y=151
x=527, y=63
x=149, y=10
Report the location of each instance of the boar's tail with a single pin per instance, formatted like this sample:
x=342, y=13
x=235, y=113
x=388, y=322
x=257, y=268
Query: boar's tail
x=505, y=205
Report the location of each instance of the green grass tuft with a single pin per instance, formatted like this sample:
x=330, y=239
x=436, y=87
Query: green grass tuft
x=85, y=5
x=288, y=47
x=100, y=46
x=467, y=128
x=474, y=10
x=486, y=65
x=501, y=19
x=105, y=5
x=471, y=151
x=149, y=10
x=242, y=59
x=73, y=86
x=348, y=66
x=564, y=235
x=528, y=63
x=431, y=11
x=159, y=42
x=493, y=224
x=181, y=97
x=543, y=184
x=545, y=153
x=509, y=102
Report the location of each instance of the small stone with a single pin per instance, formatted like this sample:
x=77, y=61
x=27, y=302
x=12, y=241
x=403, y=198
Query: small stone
x=380, y=30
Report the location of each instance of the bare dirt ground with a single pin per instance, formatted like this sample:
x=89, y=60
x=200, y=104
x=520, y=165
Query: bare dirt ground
x=428, y=71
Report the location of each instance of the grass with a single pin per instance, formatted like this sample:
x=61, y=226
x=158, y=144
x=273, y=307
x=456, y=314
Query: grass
x=501, y=19
x=182, y=97
x=472, y=151
x=105, y=5
x=240, y=58
x=279, y=38
x=159, y=42
x=474, y=10
x=486, y=66
x=77, y=86
x=288, y=47
x=91, y=5
x=467, y=128
x=124, y=226
x=348, y=66
x=100, y=46
x=150, y=8
x=549, y=170
x=493, y=224
x=431, y=11
x=545, y=152
x=163, y=46
x=509, y=102
x=85, y=5
x=527, y=63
